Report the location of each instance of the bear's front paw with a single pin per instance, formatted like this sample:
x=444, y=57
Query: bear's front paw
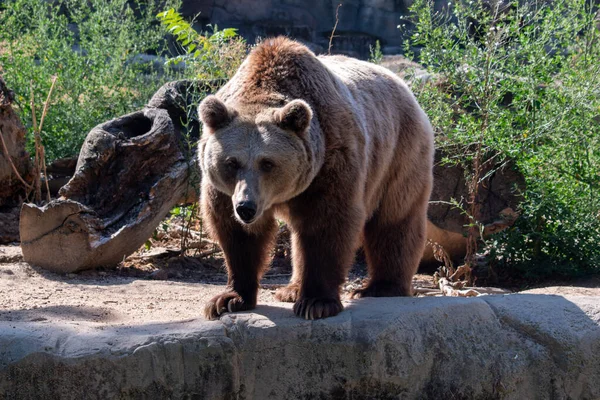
x=226, y=302
x=315, y=308
x=288, y=294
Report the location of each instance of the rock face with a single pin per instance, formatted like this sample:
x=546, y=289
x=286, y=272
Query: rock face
x=491, y=347
x=12, y=191
x=131, y=171
x=361, y=22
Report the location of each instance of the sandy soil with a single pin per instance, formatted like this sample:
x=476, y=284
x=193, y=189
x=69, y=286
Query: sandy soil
x=154, y=288
x=580, y=287
x=108, y=296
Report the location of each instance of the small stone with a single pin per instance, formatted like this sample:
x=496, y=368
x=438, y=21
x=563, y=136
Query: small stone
x=159, y=275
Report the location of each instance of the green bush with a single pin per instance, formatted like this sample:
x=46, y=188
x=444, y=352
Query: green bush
x=214, y=55
x=91, y=46
x=375, y=53
x=211, y=56
x=521, y=82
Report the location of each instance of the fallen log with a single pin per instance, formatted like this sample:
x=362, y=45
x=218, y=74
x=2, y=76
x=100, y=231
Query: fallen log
x=131, y=171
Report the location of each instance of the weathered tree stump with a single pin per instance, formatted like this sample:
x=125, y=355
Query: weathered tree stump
x=12, y=190
x=131, y=171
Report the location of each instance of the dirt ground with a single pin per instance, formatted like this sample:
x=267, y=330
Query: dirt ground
x=152, y=286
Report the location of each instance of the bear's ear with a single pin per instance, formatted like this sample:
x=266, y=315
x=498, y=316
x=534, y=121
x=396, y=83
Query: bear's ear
x=294, y=116
x=213, y=112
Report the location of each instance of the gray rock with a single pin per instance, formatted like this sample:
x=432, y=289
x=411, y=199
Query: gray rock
x=491, y=347
x=361, y=22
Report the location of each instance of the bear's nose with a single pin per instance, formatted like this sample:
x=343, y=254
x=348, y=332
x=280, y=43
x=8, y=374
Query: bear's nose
x=246, y=210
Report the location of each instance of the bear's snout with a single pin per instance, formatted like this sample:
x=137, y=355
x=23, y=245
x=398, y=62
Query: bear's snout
x=246, y=210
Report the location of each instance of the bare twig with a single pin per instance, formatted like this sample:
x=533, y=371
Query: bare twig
x=461, y=271
x=40, y=156
x=209, y=252
x=14, y=168
x=426, y=291
x=454, y=289
x=334, y=28
x=47, y=102
x=36, y=162
x=43, y=158
x=431, y=294
x=441, y=255
x=42, y=149
x=32, y=104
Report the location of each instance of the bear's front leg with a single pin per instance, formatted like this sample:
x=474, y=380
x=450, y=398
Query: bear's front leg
x=246, y=251
x=324, y=243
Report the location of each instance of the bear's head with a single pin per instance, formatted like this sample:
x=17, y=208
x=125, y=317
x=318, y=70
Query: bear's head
x=258, y=156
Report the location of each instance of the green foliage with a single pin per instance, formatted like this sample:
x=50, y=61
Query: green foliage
x=211, y=55
x=375, y=54
x=523, y=81
x=91, y=46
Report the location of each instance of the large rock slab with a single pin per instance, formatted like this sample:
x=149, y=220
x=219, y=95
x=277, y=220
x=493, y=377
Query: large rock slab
x=509, y=347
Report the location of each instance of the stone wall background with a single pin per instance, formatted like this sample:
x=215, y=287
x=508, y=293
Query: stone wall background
x=361, y=22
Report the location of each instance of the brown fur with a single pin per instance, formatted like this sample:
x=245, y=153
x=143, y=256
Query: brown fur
x=336, y=147
x=453, y=243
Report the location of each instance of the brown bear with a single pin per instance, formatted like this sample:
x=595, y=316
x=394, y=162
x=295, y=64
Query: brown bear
x=336, y=147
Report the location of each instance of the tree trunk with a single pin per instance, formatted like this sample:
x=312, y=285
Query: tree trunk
x=12, y=190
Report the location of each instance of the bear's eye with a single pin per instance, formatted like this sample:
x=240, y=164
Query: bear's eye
x=232, y=164
x=266, y=165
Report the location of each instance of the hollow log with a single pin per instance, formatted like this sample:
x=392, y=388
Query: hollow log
x=131, y=171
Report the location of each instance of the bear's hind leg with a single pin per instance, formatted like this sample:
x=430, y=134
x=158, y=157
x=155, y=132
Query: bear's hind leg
x=289, y=293
x=246, y=253
x=393, y=248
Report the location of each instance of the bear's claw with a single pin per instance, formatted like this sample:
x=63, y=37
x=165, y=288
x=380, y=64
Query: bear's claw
x=225, y=302
x=288, y=294
x=315, y=308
